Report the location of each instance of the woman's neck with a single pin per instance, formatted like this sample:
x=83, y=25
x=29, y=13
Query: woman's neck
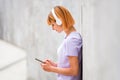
x=72, y=29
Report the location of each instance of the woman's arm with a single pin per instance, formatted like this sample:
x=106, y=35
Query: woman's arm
x=72, y=70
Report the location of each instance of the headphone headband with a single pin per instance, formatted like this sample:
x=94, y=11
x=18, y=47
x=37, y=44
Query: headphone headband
x=58, y=21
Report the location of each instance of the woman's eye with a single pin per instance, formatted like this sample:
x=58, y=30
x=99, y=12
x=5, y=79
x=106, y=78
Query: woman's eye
x=52, y=24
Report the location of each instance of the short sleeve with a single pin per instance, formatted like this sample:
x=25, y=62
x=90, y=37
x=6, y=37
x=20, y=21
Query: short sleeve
x=73, y=46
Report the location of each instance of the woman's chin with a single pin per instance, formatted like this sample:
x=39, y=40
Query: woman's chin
x=59, y=31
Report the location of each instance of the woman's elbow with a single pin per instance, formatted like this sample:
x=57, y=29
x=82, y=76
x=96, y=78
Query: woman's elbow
x=75, y=73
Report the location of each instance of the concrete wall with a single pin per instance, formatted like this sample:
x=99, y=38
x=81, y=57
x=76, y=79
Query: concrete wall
x=100, y=28
x=24, y=24
x=1, y=27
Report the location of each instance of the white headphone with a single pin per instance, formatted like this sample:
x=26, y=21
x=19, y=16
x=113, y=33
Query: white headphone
x=58, y=21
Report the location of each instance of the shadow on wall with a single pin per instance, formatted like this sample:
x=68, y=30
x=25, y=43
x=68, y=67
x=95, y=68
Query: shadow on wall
x=12, y=62
x=1, y=28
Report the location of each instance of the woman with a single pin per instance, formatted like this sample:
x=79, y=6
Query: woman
x=69, y=52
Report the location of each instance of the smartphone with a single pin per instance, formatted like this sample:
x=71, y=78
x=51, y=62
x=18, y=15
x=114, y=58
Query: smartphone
x=39, y=60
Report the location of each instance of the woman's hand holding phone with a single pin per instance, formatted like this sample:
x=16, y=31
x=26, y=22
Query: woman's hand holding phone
x=47, y=66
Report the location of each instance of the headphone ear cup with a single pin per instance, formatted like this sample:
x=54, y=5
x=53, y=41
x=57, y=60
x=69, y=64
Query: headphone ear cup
x=58, y=21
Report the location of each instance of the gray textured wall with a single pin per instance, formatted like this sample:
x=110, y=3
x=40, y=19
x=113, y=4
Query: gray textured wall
x=24, y=24
x=1, y=14
x=100, y=28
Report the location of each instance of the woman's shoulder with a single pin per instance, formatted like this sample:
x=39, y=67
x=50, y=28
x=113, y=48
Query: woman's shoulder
x=74, y=37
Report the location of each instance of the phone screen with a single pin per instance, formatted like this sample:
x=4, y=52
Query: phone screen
x=39, y=60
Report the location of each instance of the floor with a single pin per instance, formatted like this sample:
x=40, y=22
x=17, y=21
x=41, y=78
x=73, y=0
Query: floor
x=12, y=62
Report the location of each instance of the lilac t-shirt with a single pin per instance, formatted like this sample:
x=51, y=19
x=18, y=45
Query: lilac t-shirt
x=71, y=46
